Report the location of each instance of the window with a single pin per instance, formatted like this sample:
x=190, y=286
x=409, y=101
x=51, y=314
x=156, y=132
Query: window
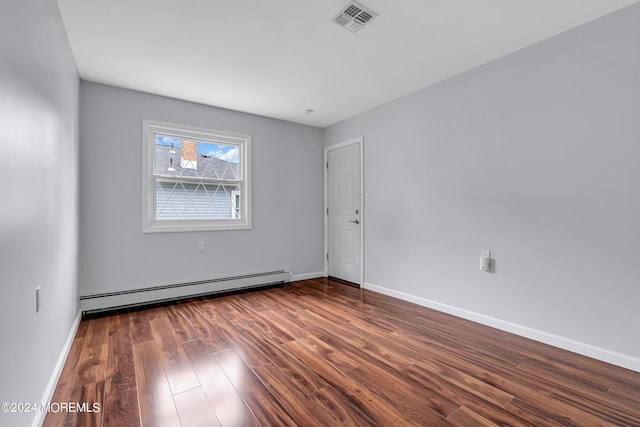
x=195, y=179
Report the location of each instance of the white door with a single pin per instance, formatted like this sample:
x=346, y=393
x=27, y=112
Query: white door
x=344, y=213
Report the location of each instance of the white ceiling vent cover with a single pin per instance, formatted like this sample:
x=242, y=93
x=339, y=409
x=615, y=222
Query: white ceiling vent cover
x=354, y=16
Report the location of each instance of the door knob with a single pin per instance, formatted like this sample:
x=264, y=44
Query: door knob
x=355, y=221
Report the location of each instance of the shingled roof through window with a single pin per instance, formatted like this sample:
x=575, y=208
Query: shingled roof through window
x=208, y=166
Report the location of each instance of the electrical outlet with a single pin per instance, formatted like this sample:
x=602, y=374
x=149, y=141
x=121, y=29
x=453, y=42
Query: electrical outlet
x=202, y=246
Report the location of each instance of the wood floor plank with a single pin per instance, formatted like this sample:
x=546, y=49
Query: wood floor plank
x=82, y=328
x=367, y=402
x=400, y=353
x=194, y=409
x=268, y=328
x=323, y=310
x=178, y=315
x=176, y=365
x=628, y=395
x=68, y=375
x=120, y=368
x=121, y=408
x=121, y=401
x=156, y=312
x=342, y=410
x=506, y=379
x=207, y=315
x=421, y=404
x=465, y=341
x=553, y=375
x=250, y=303
x=230, y=310
x=356, y=343
x=225, y=400
x=208, y=308
x=545, y=411
x=89, y=399
x=91, y=366
x=302, y=408
x=464, y=397
x=204, y=326
x=288, y=299
x=318, y=352
x=421, y=407
x=330, y=355
x=266, y=408
x=261, y=301
x=140, y=327
x=288, y=327
x=355, y=310
x=557, y=371
x=66, y=382
x=298, y=318
x=157, y=408
x=305, y=379
x=464, y=417
x=469, y=383
x=243, y=345
x=598, y=404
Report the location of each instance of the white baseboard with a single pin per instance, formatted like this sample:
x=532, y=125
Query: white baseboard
x=307, y=276
x=618, y=359
x=55, y=375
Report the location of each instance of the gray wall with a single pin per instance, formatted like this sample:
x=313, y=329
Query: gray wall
x=116, y=255
x=38, y=213
x=536, y=157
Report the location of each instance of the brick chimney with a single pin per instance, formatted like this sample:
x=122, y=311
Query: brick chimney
x=189, y=158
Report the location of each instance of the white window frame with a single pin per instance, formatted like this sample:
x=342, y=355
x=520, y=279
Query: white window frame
x=151, y=128
x=235, y=201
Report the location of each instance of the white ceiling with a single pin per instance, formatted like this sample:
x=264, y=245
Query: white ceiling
x=278, y=58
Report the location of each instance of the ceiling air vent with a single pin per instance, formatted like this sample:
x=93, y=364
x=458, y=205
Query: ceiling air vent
x=354, y=16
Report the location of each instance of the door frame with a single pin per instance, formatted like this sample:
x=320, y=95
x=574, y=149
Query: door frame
x=325, y=167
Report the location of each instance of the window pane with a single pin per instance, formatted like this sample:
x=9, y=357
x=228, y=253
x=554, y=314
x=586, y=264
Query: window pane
x=195, y=179
x=180, y=200
x=181, y=157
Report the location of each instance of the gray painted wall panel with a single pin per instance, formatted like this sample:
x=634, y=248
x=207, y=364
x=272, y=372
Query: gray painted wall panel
x=286, y=186
x=38, y=214
x=535, y=157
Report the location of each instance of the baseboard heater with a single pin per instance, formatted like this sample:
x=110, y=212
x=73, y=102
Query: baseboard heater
x=116, y=300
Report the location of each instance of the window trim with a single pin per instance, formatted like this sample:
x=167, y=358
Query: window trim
x=235, y=201
x=151, y=225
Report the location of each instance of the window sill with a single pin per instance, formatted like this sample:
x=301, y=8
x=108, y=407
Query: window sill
x=189, y=226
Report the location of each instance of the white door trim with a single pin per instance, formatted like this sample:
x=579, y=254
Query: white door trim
x=353, y=141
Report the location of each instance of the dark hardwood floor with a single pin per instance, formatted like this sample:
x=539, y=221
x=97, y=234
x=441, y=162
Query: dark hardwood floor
x=320, y=353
